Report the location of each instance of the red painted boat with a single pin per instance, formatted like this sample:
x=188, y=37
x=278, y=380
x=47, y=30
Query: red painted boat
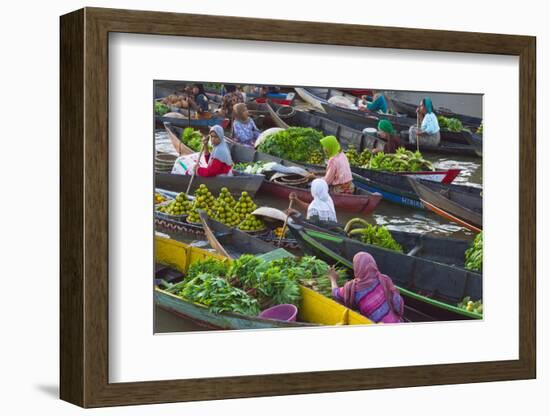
x=362, y=202
x=280, y=101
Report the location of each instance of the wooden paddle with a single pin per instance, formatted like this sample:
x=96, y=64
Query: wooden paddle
x=286, y=221
x=212, y=240
x=195, y=169
x=417, y=130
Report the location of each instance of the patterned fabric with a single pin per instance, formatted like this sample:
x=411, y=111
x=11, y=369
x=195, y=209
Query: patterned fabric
x=338, y=170
x=246, y=132
x=371, y=302
x=345, y=188
x=229, y=101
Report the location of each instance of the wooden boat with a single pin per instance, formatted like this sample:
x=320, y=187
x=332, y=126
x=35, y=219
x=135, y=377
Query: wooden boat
x=360, y=120
x=363, y=202
x=348, y=136
x=314, y=309
x=192, y=122
x=395, y=188
x=459, y=204
x=430, y=288
x=410, y=110
x=236, y=184
x=477, y=143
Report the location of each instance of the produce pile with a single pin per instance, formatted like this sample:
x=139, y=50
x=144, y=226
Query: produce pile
x=317, y=158
x=191, y=138
x=174, y=100
x=294, y=143
x=471, y=306
x=451, y=124
x=204, y=200
x=254, y=168
x=161, y=109
x=401, y=161
x=479, y=130
x=181, y=205
x=224, y=209
x=474, y=255
x=357, y=159
x=251, y=223
x=159, y=198
x=250, y=284
x=377, y=235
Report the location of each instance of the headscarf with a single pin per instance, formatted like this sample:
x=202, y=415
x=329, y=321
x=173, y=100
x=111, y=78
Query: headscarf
x=238, y=111
x=201, y=89
x=331, y=145
x=322, y=202
x=386, y=126
x=367, y=274
x=428, y=104
x=220, y=151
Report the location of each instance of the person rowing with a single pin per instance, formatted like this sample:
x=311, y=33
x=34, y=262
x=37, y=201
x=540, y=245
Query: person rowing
x=428, y=132
x=321, y=208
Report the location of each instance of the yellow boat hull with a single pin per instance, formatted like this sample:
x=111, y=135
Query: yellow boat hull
x=314, y=309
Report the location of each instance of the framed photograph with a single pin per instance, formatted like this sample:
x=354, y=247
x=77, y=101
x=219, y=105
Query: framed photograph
x=283, y=207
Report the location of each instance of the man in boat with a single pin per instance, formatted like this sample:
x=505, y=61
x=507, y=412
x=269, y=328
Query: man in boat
x=428, y=132
x=338, y=175
x=370, y=292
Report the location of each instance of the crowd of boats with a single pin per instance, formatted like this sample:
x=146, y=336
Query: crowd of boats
x=430, y=274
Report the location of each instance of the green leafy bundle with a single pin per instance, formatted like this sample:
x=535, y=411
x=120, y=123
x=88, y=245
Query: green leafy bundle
x=208, y=266
x=401, y=161
x=191, y=138
x=451, y=124
x=219, y=296
x=294, y=143
x=479, y=130
x=474, y=255
x=377, y=235
x=161, y=109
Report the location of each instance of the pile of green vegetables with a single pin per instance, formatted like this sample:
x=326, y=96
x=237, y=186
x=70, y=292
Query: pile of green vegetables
x=468, y=304
x=451, y=124
x=191, y=138
x=250, y=284
x=401, y=161
x=474, y=255
x=377, y=235
x=357, y=159
x=254, y=168
x=294, y=143
x=161, y=109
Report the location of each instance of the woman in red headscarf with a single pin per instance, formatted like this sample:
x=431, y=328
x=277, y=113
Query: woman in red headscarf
x=370, y=292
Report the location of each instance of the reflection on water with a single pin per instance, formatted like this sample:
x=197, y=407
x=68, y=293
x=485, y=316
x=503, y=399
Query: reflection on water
x=163, y=143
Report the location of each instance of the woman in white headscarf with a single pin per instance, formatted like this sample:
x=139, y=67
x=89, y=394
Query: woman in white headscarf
x=321, y=207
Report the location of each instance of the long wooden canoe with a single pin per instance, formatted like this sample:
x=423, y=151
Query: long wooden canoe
x=359, y=120
x=313, y=310
x=396, y=188
x=431, y=288
x=236, y=184
x=410, y=110
x=192, y=122
x=460, y=204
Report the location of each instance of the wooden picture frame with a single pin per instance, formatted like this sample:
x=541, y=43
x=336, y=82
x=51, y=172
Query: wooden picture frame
x=84, y=207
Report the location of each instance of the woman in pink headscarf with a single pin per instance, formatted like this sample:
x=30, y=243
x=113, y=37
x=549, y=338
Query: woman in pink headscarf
x=370, y=292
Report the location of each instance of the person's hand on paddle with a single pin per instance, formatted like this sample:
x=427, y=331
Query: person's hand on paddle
x=292, y=197
x=291, y=212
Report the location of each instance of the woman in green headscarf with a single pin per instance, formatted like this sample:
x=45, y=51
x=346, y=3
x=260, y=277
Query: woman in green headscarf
x=388, y=133
x=428, y=132
x=338, y=174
